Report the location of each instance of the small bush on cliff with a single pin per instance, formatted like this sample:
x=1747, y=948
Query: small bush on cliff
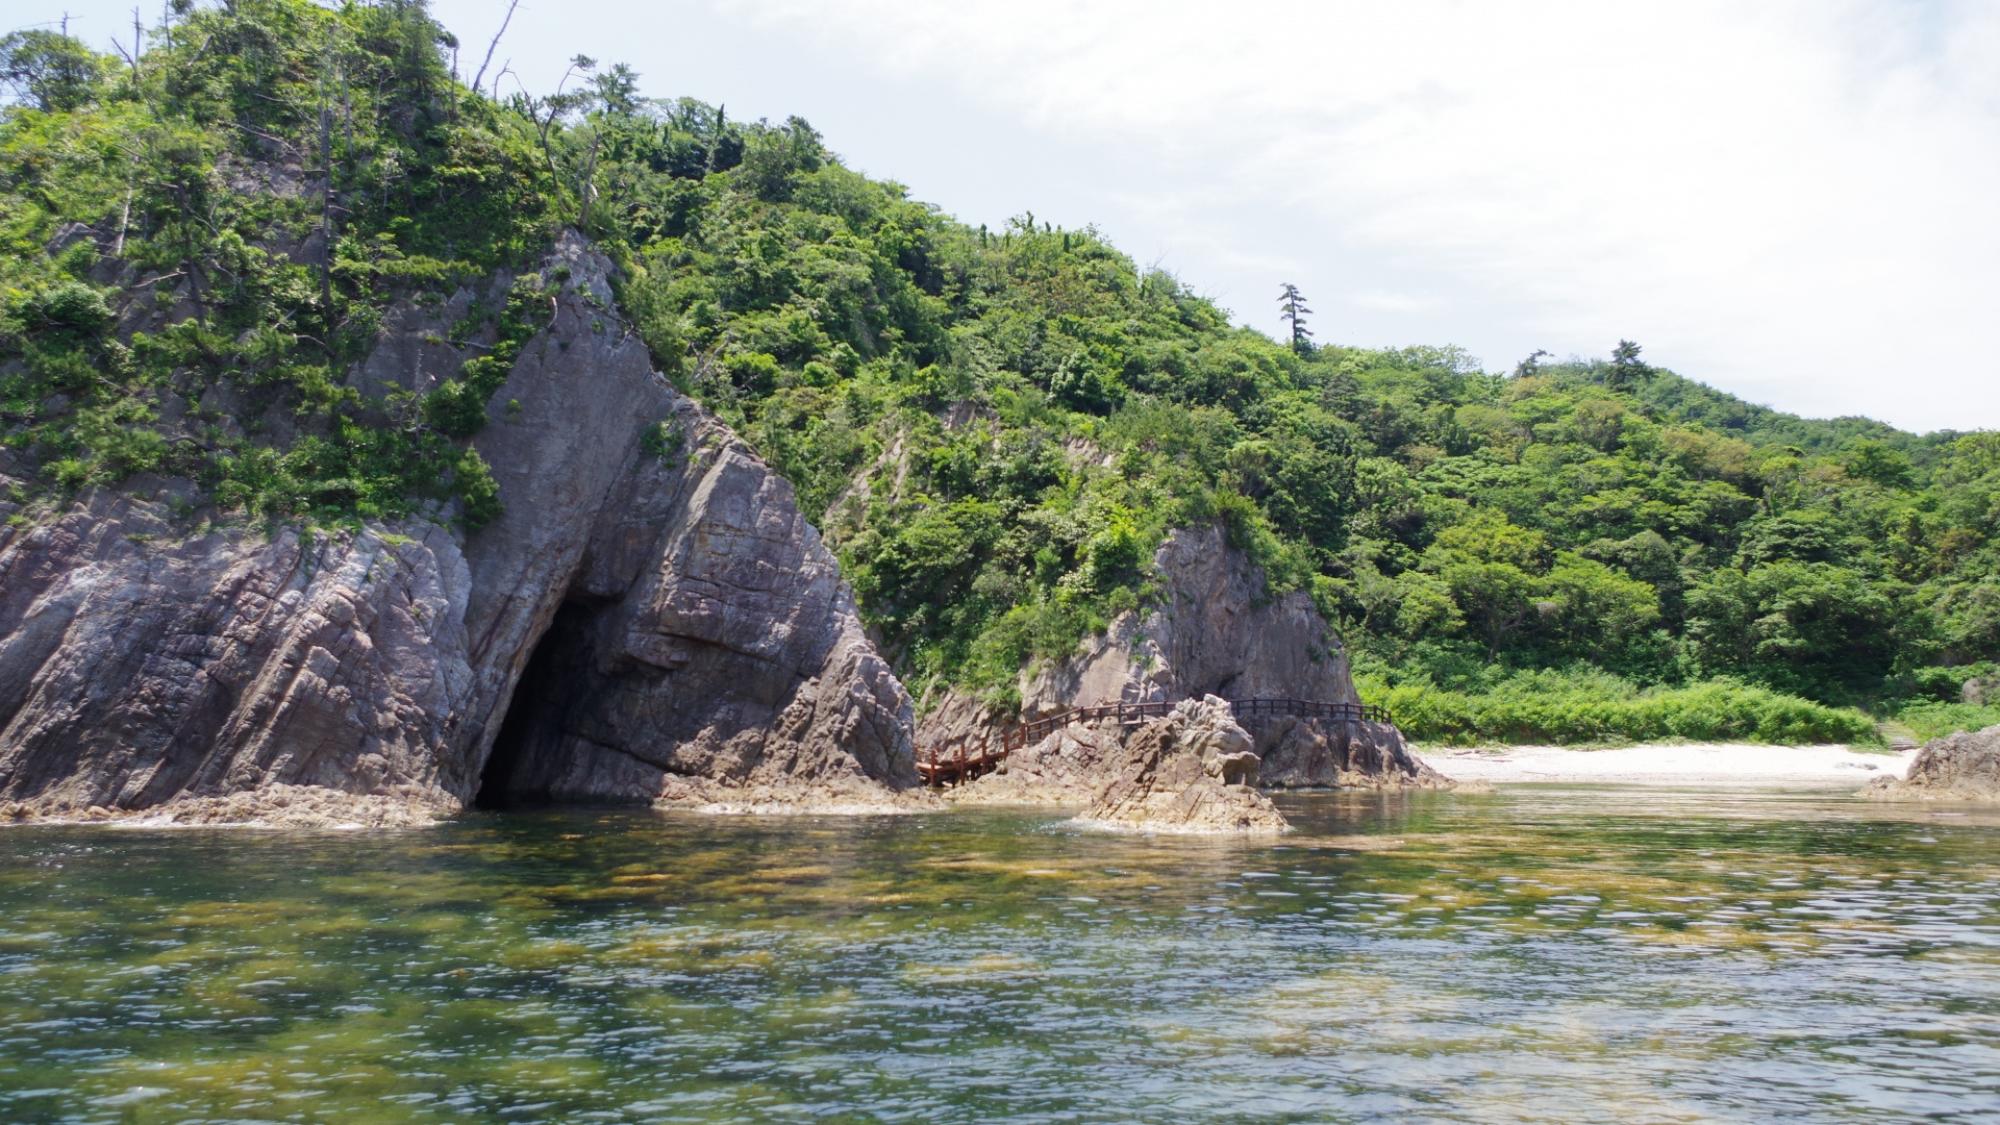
x=473, y=481
x=70, y=311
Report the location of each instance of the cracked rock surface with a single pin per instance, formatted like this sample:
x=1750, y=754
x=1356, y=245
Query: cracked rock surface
x=691, y=639
x=1189, y=772
x=1301, y=753
x=1215, y=629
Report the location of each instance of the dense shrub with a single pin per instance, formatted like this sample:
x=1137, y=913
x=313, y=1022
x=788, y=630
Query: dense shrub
x=1935, y=720
x=1557, y=708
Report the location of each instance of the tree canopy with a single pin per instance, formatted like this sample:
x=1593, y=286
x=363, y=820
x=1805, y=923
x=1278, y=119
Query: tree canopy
x=994, y=429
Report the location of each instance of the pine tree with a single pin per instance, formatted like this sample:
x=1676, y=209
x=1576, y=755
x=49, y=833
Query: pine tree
x=1293, y=311
x=1531, y=365
x=1626, y=367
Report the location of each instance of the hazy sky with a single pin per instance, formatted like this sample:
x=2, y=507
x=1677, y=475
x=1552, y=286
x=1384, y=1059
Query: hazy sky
x=1795, y=202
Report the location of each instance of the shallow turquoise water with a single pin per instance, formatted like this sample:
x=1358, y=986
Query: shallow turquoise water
x=1539, y=953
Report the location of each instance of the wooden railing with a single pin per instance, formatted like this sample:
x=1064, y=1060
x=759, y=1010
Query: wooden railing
x=1136, y=714
x=960, y=765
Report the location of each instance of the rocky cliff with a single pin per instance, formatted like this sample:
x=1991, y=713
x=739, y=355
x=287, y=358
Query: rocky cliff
x=649, y=619
x=1214, y=629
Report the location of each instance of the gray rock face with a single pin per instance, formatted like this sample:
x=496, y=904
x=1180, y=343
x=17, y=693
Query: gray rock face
x=1215, y=631
x=1312, y=754
x=136, y=666
x=1064, y=769
x=1187, y=773
x=1958, y=767
x=691, y=637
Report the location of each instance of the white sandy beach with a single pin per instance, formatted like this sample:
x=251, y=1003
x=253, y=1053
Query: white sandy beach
x=1687, y=764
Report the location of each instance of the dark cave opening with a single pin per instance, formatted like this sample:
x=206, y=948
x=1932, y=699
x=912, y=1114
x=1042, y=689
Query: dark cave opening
x=510, y=778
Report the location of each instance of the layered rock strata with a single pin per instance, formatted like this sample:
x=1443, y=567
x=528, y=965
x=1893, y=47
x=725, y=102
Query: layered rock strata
x=1215, y=629
x=1191, y=772
x=651, y=619
x=1302, y=753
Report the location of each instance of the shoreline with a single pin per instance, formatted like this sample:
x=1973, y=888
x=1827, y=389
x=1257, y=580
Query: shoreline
x=1717, y=764
x=1681, y=765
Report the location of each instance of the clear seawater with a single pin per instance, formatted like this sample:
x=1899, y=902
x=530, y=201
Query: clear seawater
x=1538, y=953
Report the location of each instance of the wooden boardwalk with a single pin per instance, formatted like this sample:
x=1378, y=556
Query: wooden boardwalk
x=959, y=766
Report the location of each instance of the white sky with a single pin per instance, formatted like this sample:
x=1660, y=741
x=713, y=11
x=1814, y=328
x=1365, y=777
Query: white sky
x=1797, y=202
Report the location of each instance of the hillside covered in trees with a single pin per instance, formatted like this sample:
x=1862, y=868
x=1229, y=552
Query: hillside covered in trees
x=995, y=427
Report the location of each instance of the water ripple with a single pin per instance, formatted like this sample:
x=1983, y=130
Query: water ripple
x=1526, y=955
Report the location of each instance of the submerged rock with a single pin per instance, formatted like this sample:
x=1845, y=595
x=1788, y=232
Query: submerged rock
x=1958, y=767
x=1190, y=772
x=649, y=619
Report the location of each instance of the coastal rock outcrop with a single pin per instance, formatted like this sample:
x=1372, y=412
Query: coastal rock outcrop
x=1063, y=769
x=649, y=619
x=1302, y=753
x=1958, y=767
x=1191, y=772
x=1215, y=629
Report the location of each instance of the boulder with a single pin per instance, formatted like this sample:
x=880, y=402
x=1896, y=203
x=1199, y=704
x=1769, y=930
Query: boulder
x=648, y=620
x=1980, y=691
x=1186, y=773
x=1959, y=767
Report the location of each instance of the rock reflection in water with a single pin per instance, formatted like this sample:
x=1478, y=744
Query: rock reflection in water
x=1531, y=954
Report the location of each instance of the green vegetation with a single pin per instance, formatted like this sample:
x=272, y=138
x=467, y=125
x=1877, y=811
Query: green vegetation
x=994, y=428
x=195, y=250
x=1596, y=707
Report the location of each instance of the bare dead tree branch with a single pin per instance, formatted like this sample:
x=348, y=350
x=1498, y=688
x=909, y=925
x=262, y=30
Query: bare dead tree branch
x=490, y=47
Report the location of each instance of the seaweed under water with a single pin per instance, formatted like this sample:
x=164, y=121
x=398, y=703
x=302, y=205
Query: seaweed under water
x=1534, y=953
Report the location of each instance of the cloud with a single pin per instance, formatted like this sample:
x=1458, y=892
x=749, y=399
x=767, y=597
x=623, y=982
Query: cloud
x=1790, y=200
x=1385, y=300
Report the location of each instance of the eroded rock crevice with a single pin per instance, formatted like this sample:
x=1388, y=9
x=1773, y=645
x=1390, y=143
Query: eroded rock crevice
x=515, y=773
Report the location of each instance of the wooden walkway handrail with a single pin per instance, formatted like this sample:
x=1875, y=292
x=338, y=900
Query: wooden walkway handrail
x=961, y=766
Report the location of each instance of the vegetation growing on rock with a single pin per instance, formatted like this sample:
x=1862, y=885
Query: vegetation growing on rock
x=995, y=428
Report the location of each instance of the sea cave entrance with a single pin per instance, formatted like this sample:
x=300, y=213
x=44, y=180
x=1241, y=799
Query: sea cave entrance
x=518, y=770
